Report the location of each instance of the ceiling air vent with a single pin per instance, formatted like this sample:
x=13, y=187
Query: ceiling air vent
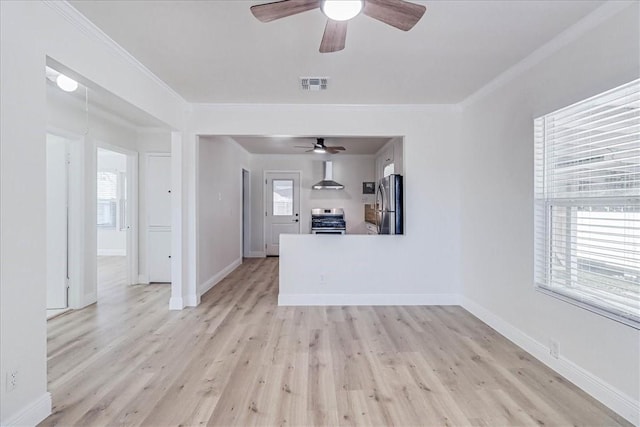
x=314, y=83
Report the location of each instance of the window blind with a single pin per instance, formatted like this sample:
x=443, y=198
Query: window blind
x=587, y=202
x=107, y=191
x=107, y=185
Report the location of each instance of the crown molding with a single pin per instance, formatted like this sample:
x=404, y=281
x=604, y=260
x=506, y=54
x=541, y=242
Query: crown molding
x=88, y=28
x=592, y=20
x=427, y=108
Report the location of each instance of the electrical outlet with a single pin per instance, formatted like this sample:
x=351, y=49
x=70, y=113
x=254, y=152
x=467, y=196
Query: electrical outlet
x=554, y=349
x=12, y=380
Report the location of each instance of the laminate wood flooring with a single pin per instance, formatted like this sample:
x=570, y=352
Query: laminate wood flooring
x=240, y=360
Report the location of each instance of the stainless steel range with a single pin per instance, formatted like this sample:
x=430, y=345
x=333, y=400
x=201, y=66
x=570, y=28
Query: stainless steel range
x=328, y=221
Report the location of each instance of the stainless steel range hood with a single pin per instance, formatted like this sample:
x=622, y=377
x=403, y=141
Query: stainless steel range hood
x=328, y=183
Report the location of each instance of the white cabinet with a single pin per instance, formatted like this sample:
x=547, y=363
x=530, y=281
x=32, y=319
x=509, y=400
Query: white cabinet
x=390, y=159
x=398, y=156
x=158, y=197
x=378, y=169
x=387, y=154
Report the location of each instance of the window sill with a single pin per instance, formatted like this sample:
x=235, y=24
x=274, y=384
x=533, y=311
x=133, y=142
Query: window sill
x=567, y=297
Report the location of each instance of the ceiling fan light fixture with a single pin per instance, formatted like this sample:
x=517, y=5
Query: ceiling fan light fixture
x=341, y=10
x=319, y=150
x=67, y=84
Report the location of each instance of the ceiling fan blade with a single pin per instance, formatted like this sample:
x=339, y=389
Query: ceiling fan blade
x=337, y=147
x=397, y=13
x=308, y=151
x=281, y=9
x=330, y=150
x=302, y=146
x=335, y=35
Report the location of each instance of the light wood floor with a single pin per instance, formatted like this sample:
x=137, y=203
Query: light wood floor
x=238, y=359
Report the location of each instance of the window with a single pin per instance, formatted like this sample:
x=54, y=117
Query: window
x=107, y=199
x=587, y=203
x=282, y=197
x=112, y=200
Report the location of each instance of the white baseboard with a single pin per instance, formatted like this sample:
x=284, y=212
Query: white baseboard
x=176, y=303
x=613, y=398
x=192, y=300
x=112, y=252
x=143, y=279
x=87, y=300
x=368, y=299
x=216, y=278
x=32, y=414
x=256, y=254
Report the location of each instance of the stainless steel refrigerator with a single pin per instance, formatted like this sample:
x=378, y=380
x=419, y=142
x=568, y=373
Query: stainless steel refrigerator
x=389, y=214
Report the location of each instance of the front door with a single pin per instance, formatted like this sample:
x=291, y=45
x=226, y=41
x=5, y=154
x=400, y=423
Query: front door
x=282, y=213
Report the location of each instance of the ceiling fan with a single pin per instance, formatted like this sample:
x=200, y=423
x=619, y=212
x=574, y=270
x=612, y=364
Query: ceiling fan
x=320, y=148
x=397, y=13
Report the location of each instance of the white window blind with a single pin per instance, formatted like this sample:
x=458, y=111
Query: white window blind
x=587, y=203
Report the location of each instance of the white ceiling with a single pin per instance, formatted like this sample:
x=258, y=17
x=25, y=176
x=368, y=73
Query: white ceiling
x=216, y=51
x=287, y=145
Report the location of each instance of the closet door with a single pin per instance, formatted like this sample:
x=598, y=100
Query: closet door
x=158, y=188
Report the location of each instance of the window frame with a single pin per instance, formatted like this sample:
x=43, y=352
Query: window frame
x=545, y=201
x=113, y=203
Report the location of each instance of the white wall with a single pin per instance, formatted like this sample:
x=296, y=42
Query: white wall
x=219, y=209
x=497, y=210
x=29, y=32
x=112, y=241
x=67, y=113
x=348, y=170
x=354, y=271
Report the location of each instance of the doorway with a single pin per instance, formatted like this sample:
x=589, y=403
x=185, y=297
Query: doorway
x=115, y=217
x=282, y=208
x=246, y=213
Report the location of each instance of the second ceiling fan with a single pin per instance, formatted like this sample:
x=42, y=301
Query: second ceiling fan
x=320, y=148
x=397, y=13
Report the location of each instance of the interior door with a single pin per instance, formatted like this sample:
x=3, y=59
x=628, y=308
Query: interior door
x=282, y=213
x=158, y=189
x=57, y=222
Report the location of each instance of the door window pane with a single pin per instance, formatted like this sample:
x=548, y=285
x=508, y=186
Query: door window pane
x=282, y=197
